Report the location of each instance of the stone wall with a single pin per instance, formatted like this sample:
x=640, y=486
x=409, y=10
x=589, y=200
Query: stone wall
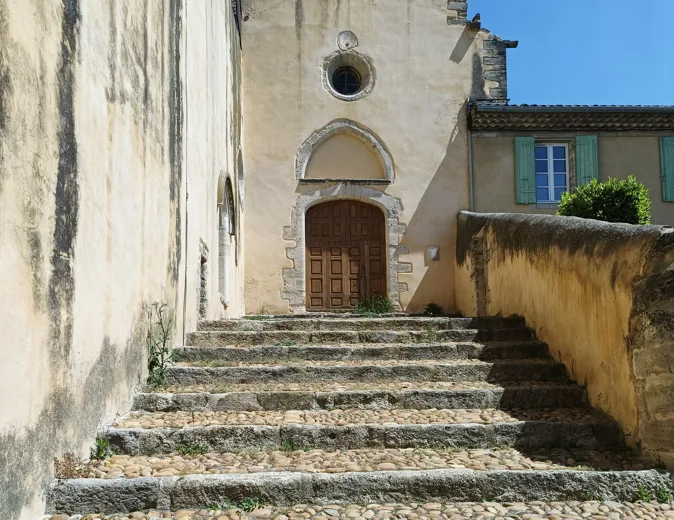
x=94, y=103
x=601, y=295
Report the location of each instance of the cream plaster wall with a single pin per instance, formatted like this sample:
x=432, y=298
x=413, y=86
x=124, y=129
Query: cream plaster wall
x=639, y=155
x=92, y=209
x=620, y=155
x=343, y=156
x=424, y=74
x=213, y=137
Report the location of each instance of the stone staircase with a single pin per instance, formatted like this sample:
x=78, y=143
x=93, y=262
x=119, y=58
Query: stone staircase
x=326, y=409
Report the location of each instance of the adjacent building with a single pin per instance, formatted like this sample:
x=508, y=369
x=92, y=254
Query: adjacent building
x=524, y=157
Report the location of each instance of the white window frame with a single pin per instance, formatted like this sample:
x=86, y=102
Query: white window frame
x=551, y=171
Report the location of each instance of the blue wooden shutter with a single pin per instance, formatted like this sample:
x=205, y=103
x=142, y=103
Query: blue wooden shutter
x=525, y=170
x=587, y=163
x=667, y=165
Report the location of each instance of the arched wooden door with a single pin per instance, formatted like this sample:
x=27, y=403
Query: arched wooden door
x=346, y=255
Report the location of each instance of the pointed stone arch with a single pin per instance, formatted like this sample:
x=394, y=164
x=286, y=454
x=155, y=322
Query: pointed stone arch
x=352, y=128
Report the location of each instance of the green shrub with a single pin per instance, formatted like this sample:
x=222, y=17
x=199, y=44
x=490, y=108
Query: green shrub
x=612, y=201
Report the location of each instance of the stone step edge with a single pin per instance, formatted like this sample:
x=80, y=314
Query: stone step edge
x=287, y=488
x=230, y=438
x=328, y=323
x=516, y=370
x=245, y=338
x=520, y=396
x=449, y=349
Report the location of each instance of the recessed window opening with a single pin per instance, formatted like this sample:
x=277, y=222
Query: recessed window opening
x=346, y=81
x=202, y=288
x=552, y=172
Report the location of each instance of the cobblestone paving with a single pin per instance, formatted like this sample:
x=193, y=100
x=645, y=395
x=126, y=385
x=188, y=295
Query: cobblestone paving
x=593, y=510
x=331, y=386
x=120, y=466
x=352, y=417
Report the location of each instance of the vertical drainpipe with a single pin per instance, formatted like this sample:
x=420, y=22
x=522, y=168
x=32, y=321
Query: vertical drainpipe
x=470, y=170
x=187, y=194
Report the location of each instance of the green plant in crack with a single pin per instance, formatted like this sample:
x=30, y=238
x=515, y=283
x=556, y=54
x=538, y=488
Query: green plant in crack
x=433, y=309
x=191, y=449
x=101, y=450
x=288, y=446
x=643, y=494
x=251, y=503
x=159, y=351
x=374, y=306
x=430, y=335
x=284, y=343
x=664, y=495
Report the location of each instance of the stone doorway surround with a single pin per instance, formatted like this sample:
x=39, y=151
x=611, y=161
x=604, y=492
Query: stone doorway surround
x=294, y=279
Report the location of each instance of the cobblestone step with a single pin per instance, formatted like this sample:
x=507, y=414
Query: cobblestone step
x=363, y=460
x=365, y=351
x=356, y=322
x=276, y=337
x=380, y=395
x=373, y=488
x=156, y=433
x=421, y=370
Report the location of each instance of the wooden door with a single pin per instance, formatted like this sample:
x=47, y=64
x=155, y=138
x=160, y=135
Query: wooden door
x=345, y=259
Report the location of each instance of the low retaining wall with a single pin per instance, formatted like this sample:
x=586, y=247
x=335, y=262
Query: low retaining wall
x=601, y=295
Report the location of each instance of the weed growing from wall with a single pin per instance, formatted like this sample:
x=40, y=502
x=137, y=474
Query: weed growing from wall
x=159, y=352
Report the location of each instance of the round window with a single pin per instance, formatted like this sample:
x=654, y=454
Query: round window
x=348, y=75
x=346, y=81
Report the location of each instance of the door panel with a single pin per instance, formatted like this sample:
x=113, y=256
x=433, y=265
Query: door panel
x=345, y=254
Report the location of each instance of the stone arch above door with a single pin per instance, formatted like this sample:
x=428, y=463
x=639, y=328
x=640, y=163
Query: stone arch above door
x=348, y=128
x=294, y=279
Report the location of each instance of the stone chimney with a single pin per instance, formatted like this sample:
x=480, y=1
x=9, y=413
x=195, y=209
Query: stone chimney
x=458, y=11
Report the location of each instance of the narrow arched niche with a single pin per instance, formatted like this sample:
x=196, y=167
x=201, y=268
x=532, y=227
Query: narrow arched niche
x=344, y=156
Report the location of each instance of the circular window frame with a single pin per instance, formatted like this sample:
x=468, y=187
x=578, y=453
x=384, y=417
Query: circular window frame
x=361, y=66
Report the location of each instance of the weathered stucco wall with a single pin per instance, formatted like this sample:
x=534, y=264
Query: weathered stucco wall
x=620, y=155
x=599, y=294
x=425, y=69
x=92, y=213
x=213, y=137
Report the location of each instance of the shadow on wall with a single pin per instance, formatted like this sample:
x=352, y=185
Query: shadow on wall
x=30, y=452
x=434, y=223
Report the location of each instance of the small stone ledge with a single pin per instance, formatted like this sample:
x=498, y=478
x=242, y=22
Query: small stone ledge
x=124, y=496
x=347, y=181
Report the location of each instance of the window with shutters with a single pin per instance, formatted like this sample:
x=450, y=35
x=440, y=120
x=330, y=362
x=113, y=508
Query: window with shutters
x=552, y=171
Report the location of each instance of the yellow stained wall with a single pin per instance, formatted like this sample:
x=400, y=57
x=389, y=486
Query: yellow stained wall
x=575, y=282
x=620, y=155
x=425, y=72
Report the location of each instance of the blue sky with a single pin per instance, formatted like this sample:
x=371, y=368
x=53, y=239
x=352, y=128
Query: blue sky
x=589, y=52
